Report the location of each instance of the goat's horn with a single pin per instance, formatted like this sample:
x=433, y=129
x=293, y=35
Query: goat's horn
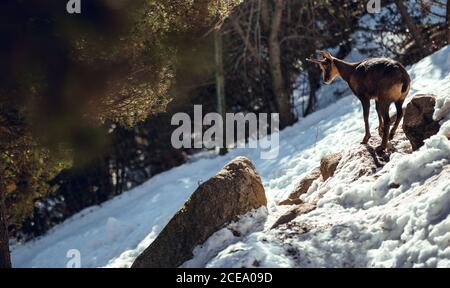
x=325, y=54
x=315, y=61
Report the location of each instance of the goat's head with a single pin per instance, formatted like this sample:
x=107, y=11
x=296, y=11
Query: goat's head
x=327, y=65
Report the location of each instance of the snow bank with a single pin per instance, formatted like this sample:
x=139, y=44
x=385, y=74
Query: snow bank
x=251, y=222
x=366, y=222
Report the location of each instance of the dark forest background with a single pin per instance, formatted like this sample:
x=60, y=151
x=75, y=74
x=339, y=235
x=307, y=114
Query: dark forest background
x=86, y=99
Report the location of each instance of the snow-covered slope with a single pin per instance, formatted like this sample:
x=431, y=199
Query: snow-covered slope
x=361, y=223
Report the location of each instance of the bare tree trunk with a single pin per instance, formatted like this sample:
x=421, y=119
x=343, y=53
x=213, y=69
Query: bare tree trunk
x=5, y=258
x=220, y=80
x=448, y=21
x=314, y=84
x=248, y=45
x=412, y=27
x=283, y=98
x=265, y=18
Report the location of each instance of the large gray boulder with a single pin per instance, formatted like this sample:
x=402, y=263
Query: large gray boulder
x=234, y=191
x=418, y=123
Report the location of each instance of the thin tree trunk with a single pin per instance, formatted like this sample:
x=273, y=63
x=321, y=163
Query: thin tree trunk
x=248, y=45
x=448, y=21
x=283, y=98
x=314, y=83
x=265, y=29
x=5, y=258
x=412, y=27
x=265, y=18
x=220, y=81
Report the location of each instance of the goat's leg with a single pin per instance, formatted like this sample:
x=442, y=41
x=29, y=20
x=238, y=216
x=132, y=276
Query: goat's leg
x=380, y=119
x=366, y=110
x=399, y=106
x=387, y=124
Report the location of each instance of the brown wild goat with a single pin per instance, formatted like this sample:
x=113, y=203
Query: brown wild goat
x=382, y=79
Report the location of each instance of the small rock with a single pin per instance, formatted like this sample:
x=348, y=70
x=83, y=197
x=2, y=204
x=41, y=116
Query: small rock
x=418, y=123
x=328, y=165
x=394, y=185
x=293, y=213
x=304, y=184
x=291, y=202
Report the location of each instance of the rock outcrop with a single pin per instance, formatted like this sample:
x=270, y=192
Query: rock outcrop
x=418, y=123
x=234, y=191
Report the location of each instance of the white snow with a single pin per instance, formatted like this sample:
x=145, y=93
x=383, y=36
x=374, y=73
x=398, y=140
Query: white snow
x=362, y=223
x=252, y=221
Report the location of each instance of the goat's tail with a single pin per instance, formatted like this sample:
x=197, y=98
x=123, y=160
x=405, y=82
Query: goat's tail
x=406, y=83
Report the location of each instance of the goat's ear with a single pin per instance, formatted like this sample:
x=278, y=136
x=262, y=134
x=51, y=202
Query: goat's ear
x=326, y=54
